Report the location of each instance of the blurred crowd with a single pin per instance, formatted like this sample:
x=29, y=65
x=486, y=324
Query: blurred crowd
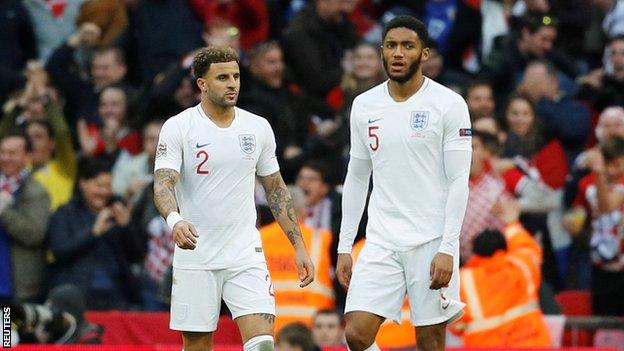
x=85, y=86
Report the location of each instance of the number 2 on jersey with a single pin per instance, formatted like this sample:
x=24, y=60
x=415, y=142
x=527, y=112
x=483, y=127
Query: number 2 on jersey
x=371, y=134
x=202, y=154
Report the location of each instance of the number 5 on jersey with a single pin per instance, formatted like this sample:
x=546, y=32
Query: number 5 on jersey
x=374, y=145
x=203, y=156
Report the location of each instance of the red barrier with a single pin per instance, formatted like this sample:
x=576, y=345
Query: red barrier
x=149, y=328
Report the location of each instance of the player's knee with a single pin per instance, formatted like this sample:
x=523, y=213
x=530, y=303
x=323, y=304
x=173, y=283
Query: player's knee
x=259, y=343
x=358, y=339
x=197, y=341
x=431, y=339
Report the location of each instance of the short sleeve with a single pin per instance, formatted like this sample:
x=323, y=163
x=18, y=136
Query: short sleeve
x=457, y=131
x=169, y=150
x=267, y=162
x=358, y=147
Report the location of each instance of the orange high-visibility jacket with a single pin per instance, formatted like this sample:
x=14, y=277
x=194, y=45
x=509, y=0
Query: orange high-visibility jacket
x=392, y=335
x=501, y=293
x=292, y=303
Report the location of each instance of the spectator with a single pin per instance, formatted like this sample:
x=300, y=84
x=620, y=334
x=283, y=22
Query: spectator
x=249, y=16
x=503, y=276
x=486, y=190
x=601, y=193
x=610, y=125
x=328, y=329
x=529, y=139
x=605, y=86
x=81, y=94
x=567, y=120
x=24, y=211
x=172, y=91
x=54, y=22
x=314, y=44
x=53, y=155
x=365, y=74
x=17, y=46
x=109, y=15
x=129, y=180
x=294, y=337
x=480, y=99
x=322, y=202
x=505, y=65
x=436, y=68
x=159, y=33
x=291, y=303
x=115, y=134
x=267, y=95
x=90, y=241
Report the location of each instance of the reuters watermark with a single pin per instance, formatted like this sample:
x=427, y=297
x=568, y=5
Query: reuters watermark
x=6, y=327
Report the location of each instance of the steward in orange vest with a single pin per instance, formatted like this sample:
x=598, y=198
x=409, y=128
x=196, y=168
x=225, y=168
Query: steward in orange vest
x=500, y=287
x=292, y=303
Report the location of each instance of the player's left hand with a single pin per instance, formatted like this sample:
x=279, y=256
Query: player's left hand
x=441, y=270
x=305, y=267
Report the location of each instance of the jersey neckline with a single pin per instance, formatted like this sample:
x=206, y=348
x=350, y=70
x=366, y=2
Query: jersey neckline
x=420, y=90
x=212, y=124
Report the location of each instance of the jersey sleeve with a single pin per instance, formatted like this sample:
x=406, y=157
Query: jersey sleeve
x=358, y=146
x=267, y=162
x=457, y=132
x=170, y=147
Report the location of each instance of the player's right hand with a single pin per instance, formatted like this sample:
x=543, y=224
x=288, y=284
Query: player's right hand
x=185, y=235
x=343, y=269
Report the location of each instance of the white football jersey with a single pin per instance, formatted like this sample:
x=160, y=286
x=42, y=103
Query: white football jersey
x=215, y=191
x=405, y=142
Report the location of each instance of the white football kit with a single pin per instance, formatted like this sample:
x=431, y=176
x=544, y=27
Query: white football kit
x=215, y=192
x=419, y=152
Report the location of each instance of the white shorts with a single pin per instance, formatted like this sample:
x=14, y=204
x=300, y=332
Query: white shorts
x=382, y=278
x=196, y=295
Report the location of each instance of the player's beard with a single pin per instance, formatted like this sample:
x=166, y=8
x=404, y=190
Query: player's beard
x=221, y=100
x=411, y=71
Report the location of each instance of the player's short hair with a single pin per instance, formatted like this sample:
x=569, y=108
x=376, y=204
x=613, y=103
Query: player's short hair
x=117, y=53
x=533, y=21
x=476, y=83
x=490, y=141
x=212, y=54
x=91, y=167
x=18, y=132
x=296, y=334
x=409, y=22
x=488, y=242
x=612, y=148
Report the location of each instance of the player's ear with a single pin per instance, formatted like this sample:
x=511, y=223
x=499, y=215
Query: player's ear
x=201, y=83
x=425, y=54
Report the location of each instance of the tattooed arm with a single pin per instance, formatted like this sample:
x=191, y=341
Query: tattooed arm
x=184, y=233
x=283, y=210
x=165, y=180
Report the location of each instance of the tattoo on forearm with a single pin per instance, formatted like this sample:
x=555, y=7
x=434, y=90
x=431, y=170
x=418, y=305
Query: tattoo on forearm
x=164, y=190
x=281, y=205
x=267, y=317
